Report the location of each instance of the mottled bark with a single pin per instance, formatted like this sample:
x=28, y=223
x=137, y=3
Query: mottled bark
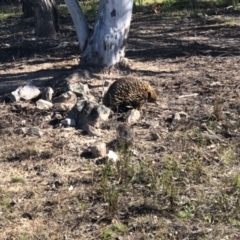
x=46, y=18
x=106, y=46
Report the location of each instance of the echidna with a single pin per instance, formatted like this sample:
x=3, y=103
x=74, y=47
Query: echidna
x=128, y=93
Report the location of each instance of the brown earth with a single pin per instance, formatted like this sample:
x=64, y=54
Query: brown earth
x=183, y=185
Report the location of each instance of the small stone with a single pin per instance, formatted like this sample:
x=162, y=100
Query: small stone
x=15, y=96
x=133, y=117
x=47, y=118
x=47, y=93
x=65, y=101
x=92, y=131
x=78, y=88
x=177, y=116
x=155, y=136
x=135, y=152
x=29, y=92
x=69, y=122
x=99, y=150
x=43, y=104
x=26, y=92
x=91, y=113
x=23, y=122
x=112, y=156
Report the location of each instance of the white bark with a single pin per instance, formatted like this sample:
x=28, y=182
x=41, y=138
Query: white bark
x=106, y=47
x=79, y=22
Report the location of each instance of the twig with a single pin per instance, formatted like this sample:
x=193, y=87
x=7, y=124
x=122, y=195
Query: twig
x=188, y=95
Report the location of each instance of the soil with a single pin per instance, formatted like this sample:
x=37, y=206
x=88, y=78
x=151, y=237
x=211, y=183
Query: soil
x=181, y=177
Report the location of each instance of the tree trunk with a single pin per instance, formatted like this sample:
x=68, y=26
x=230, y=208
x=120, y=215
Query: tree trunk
x=27, y=9
x=46, y=18
x=106, y=46
x=80, y=22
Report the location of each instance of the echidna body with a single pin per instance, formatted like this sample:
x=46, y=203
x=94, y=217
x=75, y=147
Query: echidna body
x=125, y=94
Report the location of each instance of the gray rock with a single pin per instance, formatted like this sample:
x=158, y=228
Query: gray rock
x=133, y=117
x=69, y=122
x=65, y=101
x=99, y=150
x=92, y=113
x=73, y=82
x=78, y=88
x=43, y=104
x=47, y=93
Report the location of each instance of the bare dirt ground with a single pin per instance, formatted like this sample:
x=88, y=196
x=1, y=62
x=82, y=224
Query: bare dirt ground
x=184, y=185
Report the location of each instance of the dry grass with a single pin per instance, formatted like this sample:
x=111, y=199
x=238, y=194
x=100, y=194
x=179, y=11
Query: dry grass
x=185, y=185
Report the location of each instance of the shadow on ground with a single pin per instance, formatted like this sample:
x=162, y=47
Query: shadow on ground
x=152, y=37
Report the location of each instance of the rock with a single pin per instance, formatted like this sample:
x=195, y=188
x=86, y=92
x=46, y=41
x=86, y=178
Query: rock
x=43, y=104
x=69, y=122
x=47, y=93
x=29, y=92
x=92, y=131
x=81, y=90
x=26, y=92
x=155, y=136
x=133, y=117
x=78, y=88
x=177, y=116
x=15, y=96
x=23, y=123
x=73, y=82
x=91, y=113
x=65, y=101
x=99, y=150
x=112, y=156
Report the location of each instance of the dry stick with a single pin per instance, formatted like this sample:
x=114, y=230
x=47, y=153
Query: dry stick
x=188, y=95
